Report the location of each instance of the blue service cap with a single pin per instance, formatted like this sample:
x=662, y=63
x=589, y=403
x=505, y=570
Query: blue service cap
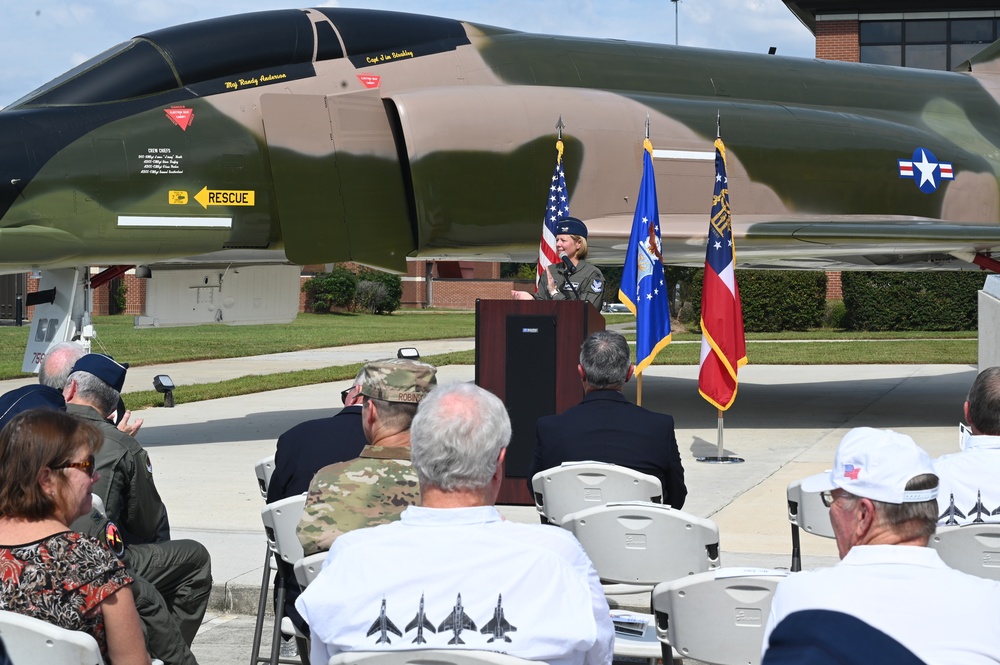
x=24, y=398
x=104, y=368
x=571, y=226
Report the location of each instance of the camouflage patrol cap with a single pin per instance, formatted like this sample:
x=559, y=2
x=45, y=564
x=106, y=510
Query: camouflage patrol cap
x=398, y=380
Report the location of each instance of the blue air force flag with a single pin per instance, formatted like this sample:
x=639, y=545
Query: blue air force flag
x=643, y=288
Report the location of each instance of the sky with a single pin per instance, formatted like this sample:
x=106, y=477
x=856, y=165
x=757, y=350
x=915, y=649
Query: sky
x=40, y=39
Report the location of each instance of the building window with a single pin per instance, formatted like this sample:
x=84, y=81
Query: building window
x=927, y=44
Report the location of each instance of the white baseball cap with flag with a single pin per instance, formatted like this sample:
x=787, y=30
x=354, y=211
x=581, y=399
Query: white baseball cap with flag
x=876, y=464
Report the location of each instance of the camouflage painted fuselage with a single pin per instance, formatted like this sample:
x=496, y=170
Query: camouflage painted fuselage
x=338, y=134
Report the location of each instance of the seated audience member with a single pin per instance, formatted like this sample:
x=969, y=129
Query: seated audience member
x=606, y=427
x=300, y=453
x=53, y=373
x=47, y=393
x=180, y=570
x=822, y=637
x=451, y=571
x=881, y=493
x=50, y=572
x=970, y=480
x=309, y=446
x=379, y=484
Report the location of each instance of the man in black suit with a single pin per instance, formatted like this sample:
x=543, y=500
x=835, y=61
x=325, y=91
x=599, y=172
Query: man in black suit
x=308, y=447
x=605, y=427
x=301, y=452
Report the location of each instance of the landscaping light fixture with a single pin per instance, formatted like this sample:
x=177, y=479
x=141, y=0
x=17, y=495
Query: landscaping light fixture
x=408, y=353
x=164, y=384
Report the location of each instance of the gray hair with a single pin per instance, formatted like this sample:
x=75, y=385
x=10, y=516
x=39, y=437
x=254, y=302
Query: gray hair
x=984, y=402
x=94, y=391
x=605, y=358
x=457, y=436
x=913, y=519
x=58, y=363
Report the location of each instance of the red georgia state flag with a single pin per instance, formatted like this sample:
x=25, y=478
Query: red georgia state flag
x=723, y=345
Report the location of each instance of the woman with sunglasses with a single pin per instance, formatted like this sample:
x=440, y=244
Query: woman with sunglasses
x=46, y=570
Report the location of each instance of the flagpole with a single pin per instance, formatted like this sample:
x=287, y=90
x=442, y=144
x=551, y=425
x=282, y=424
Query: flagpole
x=638, y=391
x=720, y=210
x=718, y=436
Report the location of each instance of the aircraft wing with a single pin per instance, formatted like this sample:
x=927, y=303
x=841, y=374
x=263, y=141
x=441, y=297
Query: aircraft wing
x=493, y=624
x=426, y=624
x=463, y=620
x=813, y=242
x=376, y=627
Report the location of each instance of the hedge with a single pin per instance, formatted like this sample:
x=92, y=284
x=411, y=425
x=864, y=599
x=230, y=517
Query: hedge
x=911, y=301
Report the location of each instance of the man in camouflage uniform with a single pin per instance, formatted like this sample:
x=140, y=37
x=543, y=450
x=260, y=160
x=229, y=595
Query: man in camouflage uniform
x=378, y=485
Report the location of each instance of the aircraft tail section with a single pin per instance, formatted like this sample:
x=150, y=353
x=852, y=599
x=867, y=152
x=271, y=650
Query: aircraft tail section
x=60, y=313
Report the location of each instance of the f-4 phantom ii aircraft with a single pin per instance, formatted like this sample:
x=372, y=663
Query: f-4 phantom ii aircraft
x=332, y=134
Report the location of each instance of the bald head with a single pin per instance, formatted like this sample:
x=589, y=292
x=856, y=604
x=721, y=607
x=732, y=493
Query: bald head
x=58, y=364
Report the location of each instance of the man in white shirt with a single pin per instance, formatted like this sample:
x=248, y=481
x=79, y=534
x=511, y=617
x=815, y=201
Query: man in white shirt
x=881, y=493
x=452, y=572
x=970, y=490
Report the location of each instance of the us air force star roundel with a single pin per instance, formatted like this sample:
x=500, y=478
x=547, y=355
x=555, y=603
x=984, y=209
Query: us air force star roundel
x=926, y=170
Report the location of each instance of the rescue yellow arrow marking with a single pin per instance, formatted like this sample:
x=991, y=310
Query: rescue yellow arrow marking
x=224, y=197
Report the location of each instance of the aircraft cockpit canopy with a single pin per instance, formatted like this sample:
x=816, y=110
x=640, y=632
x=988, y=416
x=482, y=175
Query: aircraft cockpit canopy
x=185, y=55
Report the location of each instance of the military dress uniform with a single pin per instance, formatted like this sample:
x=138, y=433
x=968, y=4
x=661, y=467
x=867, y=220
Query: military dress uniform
x=179, y=569
x=588, y=281
x=373, y=489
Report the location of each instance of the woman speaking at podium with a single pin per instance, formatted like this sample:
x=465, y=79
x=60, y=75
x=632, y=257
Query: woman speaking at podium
x=571, y=278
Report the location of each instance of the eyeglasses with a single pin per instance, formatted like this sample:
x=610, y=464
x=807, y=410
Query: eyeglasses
x=87, y=466
x=344, y=393
x=828, y=498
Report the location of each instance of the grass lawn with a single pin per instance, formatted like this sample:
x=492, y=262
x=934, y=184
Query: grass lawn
x=153, y=346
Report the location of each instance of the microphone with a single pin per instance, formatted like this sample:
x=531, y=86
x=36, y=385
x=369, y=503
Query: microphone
x=570, y=268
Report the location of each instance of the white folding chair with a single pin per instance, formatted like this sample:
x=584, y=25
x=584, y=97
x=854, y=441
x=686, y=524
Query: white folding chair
x=264, y=468
x=637, y=544
x=574, y=486
x=307, y=568
x=427, y=657
x=280, y=520
x=31, y=640
x=718, y=616
x=971, y=548
x=806, y=511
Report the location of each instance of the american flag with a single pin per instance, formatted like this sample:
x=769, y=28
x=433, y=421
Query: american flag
x=557, y=208
x=723, y=346
x=643, y=288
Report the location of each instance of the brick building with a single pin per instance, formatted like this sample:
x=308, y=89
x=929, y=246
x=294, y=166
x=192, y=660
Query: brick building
x=928, y=34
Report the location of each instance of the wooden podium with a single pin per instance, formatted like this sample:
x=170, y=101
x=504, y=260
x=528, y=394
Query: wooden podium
x=527, y=352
